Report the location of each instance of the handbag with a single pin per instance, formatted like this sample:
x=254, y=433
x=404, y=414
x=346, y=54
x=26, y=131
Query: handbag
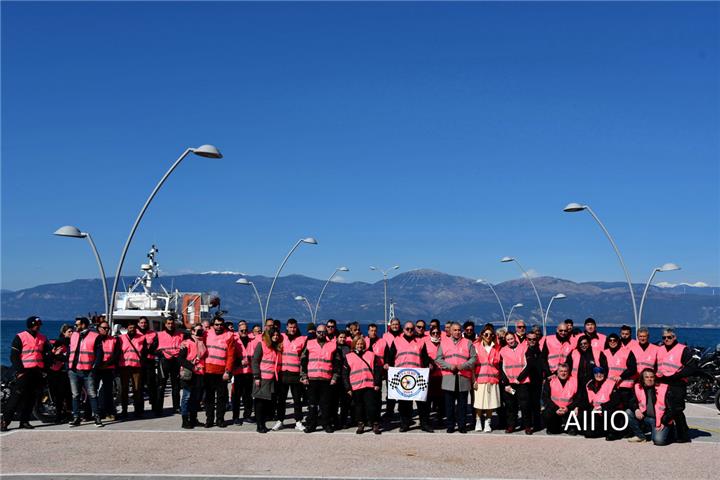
x=186, y=374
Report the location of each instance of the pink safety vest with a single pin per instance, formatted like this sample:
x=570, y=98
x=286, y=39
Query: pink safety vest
x=603, y=394
x=432, y=349
x=645, y=358
x=617, y=364
x=562, y=396
x=597, y=343
x=270, y=363
x=378, y=349
x=320, y=359
x=108, y=344
x=557, y=352
x=514, y=362
x=486, y=368
x=149, y=339
x=456, y=354
x=660, y=407
x=407, y=354
x=291, y=353
x=192, y=356
x=669, y=362
x=130, y=357
x=361, y=372
x=217, y=346
x=31, y=355
x=86, y=357
x=169, y=345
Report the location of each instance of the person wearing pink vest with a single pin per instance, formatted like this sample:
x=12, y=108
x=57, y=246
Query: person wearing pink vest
x=456, y=357
x=168, y=348
x=57, y=375
x=487, y=378
x=319, y=372
x=293, y=343
x=644, y=351
x=600, y=396
x=626, y=340
x=560, y=397
x=515, y=384
x=597, y=340
x=218, y=368
x=242, y=386
x=28, y=352
x=675, y=364
x=84, y=357
x=266, y=365
x=149, y=366
x=362, y=381
x=621, y=368
x=649, y=410
x=191, y=356
x=107, y=370
x=394, y=331
x=435, y=397
x=132, y=355
x=557, y=348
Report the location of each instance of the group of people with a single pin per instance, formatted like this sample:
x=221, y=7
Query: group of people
x=570, y=382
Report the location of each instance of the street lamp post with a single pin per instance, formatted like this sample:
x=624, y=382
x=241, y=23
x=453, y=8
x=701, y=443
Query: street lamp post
x=317, y=305
x=576, y=207
x=385, y=278
x=74, y=232
x=300, y=298
x=245, y=281
x=558, y=296
x=485, y=282
x=668, y=267
x=206, y=151
x=517, y=305
x=511, y=259
x=309, y=241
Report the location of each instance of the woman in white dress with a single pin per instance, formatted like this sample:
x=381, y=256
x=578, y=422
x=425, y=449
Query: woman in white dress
x=487, y=378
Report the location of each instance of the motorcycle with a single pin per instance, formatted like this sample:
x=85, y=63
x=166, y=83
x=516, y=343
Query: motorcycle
x=44, y=408
x=704, y=386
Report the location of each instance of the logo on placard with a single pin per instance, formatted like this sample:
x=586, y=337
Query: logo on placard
x=408, y=382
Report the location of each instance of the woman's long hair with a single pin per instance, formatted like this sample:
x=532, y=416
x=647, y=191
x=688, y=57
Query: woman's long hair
x=267, y=340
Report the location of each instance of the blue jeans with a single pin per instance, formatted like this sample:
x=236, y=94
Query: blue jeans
x=638, y=428
x=78, y=380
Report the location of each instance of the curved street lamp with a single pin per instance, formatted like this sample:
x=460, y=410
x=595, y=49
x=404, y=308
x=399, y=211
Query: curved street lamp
x=206, y=151
x=300, y=298
x=485, y=282
x=558, y=296
x=309, y=241
x=517, y=305
x=246, y=282
x=668, y=267
x=385, y=279
x=511, y=259
x=317, y=305
x=576, y=207
x=74, y=232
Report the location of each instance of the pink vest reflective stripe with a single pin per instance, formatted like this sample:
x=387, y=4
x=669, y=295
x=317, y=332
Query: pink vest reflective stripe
x=57, y=365
x=130, y=357
x=562, y=396
x=645, y=358
x=617, y=364
x=378, y=349
x=514, y=362
x=291, y=353
x=602, y=395
x=486, y=368
x=557, y=352
x=248, y=352
x=456, y=354
x=149, y=339
x=360, y=375
x=270, y=363
x=432, y=349
x=217, y=347
x=169, y=345
x=669, y=362
x=31, y=355
x=320, y=359
x=576, y=360
x=108, y=344
x=192, y=356
x=407, y=354
x=597, y=344
x=629, y=345
x=86, y=358
x=660, y=407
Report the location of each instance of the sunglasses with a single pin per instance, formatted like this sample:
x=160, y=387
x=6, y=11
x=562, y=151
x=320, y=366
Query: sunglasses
x=243, y=331
x=435, y=332
x=487, y=334
x=320, y=332
x=532, y=339
x=409, y=329
x=103, y=327
x=520, y=327
x=614, y=340
x=668, y=337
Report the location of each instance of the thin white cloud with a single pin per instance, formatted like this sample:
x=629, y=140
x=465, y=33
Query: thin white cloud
x=532, y=273
x=339, y=279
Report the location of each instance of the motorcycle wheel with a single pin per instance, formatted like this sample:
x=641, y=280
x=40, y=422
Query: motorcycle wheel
x=700, y=388
x=717, y=400
x=44, y=409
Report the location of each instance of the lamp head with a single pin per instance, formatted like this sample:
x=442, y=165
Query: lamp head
x=480, y=280
x=372, y=268
x=559, y=296
x=343, y=269
x=309, y=240
x=207, y=151
x=69, y=231
x=299, y=298
x=574, y=207
x=243, y=281
x=395, y=267
x=506, y=259
x=668, y=267
x=518, y=305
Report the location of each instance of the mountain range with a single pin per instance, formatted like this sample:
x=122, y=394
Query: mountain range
x=417, y=294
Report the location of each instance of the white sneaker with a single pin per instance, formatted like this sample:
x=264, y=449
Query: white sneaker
x=487, y=428
x=299, y=426
x=278, y=425
x=478, y=425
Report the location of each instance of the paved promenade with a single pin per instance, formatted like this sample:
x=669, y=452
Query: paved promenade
x=158, y=448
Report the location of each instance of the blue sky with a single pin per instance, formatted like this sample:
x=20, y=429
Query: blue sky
x=440, y=136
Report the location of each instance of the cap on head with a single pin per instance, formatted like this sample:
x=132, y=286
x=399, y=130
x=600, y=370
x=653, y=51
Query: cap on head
x=32, y=321
x=597, y=370
x=590, y=320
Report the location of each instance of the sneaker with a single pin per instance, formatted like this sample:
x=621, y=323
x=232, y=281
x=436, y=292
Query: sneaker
x=634, y=439
x=278, y=425
x=98, y=422
x=487, y=428
x=299, y=426
x=478, y=425
x=238, y=421
x=76, y=422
